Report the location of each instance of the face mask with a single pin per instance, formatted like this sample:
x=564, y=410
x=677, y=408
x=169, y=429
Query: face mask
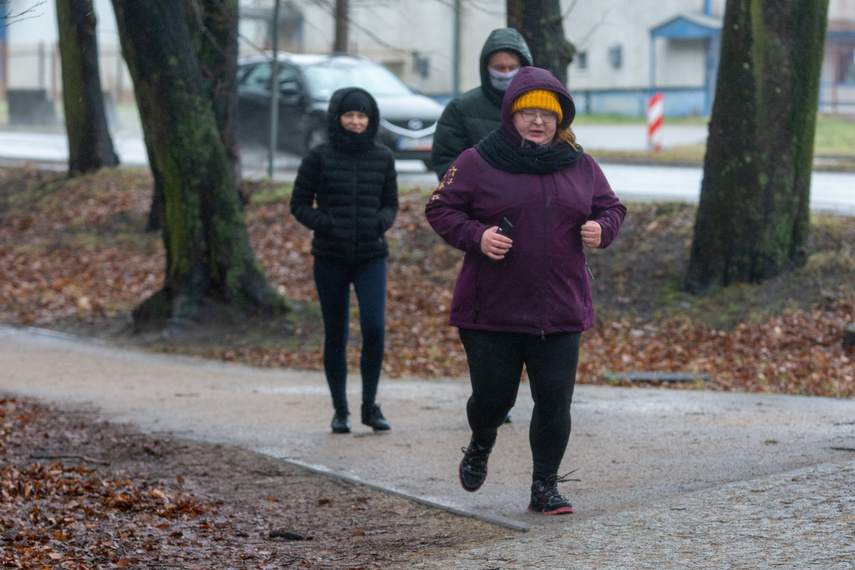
x=501, y=80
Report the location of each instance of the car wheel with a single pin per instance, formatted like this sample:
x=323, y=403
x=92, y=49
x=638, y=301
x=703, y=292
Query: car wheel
x=317, y=135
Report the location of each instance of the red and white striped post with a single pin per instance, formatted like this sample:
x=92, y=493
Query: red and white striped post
x=655, y=113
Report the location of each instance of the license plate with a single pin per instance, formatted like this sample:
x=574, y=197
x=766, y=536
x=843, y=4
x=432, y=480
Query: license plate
x=421, y=143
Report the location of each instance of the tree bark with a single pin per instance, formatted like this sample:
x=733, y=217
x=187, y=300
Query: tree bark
x=754, y=211
x=90, y=146
x=342, y=26
x=208, y=254
x=541, y=24
x=216, y=41
x=213, y=25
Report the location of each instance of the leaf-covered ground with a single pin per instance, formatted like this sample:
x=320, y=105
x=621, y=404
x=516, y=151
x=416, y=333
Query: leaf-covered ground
x=73, y=257
x=79, y=493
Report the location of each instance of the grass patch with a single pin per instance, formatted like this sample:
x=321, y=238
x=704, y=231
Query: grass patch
x=265, y=191
x=835, y=136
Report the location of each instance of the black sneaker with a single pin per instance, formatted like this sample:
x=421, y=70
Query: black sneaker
x=473, y=466
x=341, y=423
x=546, y=499
x=373, y=417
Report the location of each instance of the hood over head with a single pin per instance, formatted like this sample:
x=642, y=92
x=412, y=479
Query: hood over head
x=502, y=39
x=352, y=99
x=355, y=100
x=534, y=79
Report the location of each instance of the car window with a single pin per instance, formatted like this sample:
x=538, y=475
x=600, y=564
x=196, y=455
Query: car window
x=324, y=79
x=258, y=77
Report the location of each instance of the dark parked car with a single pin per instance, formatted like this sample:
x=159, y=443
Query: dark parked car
x=306, y=82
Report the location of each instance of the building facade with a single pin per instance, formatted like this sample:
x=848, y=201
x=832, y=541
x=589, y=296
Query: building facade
x=626, y=50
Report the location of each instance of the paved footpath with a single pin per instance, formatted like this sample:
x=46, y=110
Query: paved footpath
x=667, y=478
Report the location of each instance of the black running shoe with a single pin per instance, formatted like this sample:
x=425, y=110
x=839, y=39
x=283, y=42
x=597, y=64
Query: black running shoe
x=546, y=499
x=473, y=466
x=341, y=423
x=373, y=417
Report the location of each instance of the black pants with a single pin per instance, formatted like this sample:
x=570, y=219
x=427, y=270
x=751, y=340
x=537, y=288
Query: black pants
x=333, y=281
x=496, y=362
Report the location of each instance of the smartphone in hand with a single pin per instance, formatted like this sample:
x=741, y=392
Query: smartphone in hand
x=505, y=227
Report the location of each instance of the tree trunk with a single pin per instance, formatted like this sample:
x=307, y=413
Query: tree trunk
x=753, y=217
x=342, y=25
x=213, y=25
x=208, y=253
x=216, y=40
x=89, y=144
x=541, y=24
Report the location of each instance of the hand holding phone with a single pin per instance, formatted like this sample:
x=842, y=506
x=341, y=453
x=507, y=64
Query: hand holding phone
x=505, y=227
x=493, y=248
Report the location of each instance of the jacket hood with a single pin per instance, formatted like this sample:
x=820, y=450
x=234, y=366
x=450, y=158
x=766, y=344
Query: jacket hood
x=334, y=126
x=527, y=79
x=506, y=39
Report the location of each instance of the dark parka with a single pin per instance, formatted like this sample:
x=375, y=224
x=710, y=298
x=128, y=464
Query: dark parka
x=468, y=118
x=541, y=286
x=355, y=187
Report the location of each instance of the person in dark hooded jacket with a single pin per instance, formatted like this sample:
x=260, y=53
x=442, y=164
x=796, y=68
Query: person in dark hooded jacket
x=352, y=180
x=471, y=116
x=522, y=297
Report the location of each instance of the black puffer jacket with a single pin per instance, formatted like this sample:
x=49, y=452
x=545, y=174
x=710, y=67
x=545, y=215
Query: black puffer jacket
x=353, y=180
x=468, y=118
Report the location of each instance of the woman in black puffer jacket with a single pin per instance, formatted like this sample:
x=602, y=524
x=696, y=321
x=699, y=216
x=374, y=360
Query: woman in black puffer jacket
x=352, y=180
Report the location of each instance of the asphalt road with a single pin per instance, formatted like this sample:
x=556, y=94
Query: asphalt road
x=830, y=191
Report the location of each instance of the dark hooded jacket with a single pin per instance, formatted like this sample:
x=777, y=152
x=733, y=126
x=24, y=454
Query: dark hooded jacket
x=352, y=179
x=541, y=286
x=468, y=118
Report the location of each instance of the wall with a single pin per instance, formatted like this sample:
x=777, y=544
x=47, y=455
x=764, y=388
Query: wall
x=392, y=32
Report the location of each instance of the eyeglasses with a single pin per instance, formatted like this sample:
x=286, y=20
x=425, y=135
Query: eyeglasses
x=529, y=115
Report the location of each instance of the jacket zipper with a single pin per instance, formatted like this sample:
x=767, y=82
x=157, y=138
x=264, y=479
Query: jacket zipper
x=545, y=258
x=354, y=183
x=477, y=296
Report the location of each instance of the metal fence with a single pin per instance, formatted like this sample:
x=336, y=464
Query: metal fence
x=37, y=67
x=837, y=98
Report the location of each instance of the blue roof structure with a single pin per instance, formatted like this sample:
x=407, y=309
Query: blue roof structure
x=688, y=26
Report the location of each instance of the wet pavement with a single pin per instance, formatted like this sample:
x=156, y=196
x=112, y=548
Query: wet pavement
x=830, y=191
x=667, y=478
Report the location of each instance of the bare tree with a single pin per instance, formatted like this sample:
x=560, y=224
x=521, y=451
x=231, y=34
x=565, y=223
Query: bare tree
x=90, y=146
x=20, y=14
x=208, y=253
x=542, y=25
x=753, y=216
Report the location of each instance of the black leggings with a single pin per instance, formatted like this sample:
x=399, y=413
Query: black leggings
x=333, y=281
x=496, y=362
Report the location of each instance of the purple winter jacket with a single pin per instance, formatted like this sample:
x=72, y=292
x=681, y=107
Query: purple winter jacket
x=541, y=286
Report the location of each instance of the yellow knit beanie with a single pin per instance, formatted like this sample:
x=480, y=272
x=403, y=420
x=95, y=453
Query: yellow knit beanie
x=537, y=99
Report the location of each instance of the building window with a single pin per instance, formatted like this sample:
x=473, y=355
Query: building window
x=846, y=69
x=616, y=56
x=582, y=60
